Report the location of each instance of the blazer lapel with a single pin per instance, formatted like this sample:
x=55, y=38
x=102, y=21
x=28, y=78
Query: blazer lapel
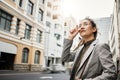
x=87, y=53
x=77, y=53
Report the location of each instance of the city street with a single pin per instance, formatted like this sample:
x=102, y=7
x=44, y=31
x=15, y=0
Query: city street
x=51, y=39
x=14, y=75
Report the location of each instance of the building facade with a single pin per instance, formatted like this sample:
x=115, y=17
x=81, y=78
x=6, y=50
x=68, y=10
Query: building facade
x=22, y=34
x=54, y=32
x=70, y=23
x=114, y=34
x=103, y=25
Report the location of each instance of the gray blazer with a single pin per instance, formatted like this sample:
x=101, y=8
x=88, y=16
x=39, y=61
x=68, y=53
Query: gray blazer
x=100, y=65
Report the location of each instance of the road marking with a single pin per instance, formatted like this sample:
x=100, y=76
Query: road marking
x=46, y=77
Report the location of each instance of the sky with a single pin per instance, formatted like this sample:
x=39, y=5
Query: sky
x=80, y=9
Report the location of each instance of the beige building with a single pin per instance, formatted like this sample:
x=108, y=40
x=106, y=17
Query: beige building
x=22, y=34
x=114, y=33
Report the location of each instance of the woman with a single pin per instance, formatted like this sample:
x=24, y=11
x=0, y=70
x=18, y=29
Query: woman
x=92, y=60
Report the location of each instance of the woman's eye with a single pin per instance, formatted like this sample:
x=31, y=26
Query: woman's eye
x=85, y=24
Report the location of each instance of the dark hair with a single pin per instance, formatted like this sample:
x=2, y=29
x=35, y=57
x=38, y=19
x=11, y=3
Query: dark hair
x=95, y=33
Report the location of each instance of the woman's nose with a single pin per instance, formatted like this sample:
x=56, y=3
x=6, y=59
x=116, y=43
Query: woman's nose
x=81, y=26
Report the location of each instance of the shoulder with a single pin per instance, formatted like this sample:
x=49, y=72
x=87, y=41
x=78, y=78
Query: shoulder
x=103, y=50
x=102, y=46
x=99, y=44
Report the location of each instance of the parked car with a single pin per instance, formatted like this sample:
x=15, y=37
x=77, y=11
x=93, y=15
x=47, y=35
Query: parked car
x=57, y=68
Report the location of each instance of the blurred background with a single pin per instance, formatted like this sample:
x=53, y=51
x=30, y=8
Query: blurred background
x=32, y=31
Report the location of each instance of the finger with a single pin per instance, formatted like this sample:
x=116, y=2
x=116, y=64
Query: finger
x=71, y=31
x=77, y=27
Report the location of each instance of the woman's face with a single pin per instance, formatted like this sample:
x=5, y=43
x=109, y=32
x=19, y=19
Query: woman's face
x=86, y=29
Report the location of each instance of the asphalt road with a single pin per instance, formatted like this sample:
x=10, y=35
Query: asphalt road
x=11, y=75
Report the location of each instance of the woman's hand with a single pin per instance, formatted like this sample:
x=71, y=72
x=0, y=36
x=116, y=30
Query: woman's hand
x=73, y=33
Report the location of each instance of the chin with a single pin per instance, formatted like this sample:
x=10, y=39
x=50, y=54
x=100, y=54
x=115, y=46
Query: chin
x=83, y=35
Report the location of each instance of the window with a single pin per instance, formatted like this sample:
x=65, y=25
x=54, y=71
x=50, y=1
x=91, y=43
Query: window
x=20, y=3
x=40, y=15
x=55, y=7
x=17, y=26
x=65, y=24
x=39, y=36
x=48, y=14
x=37, y=57
x=48, y=24
x=55, y=17
x=27, y=32
x=58, y=36
x=5, y=21
x=58, y=26
x=25, y=54
x=65, y=33
x=42, y=1
x=49, y=4
x=30, y=7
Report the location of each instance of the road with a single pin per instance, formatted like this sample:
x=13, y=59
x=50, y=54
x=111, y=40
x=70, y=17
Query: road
x=33, y=76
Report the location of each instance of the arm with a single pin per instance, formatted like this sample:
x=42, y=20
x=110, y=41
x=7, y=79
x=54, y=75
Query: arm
x=108, y=67
x=67, y=56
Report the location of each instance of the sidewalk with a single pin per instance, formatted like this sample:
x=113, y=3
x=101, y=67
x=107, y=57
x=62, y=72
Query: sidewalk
x=13, y=71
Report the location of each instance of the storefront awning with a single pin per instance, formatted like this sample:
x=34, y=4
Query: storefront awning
x=7, y=47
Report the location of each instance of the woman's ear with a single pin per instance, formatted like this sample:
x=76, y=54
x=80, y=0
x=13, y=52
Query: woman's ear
x=94, y=29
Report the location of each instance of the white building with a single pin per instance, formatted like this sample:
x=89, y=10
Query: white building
x=54, y=32
x=114, y=33
x=70, y=23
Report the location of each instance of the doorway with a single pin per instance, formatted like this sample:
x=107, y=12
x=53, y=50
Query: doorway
x=6, y=61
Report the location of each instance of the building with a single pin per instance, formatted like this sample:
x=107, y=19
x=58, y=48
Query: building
x=103, y=25
x=54, y=32
x=22, y=26
x=114, y=34
x=69, y=23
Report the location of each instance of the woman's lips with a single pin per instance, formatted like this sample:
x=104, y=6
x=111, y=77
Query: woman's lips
x=82, y=30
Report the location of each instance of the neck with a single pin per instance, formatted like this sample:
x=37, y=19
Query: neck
x=88, y=38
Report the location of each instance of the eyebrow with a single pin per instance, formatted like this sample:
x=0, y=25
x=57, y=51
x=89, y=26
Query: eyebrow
x=84, y=22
